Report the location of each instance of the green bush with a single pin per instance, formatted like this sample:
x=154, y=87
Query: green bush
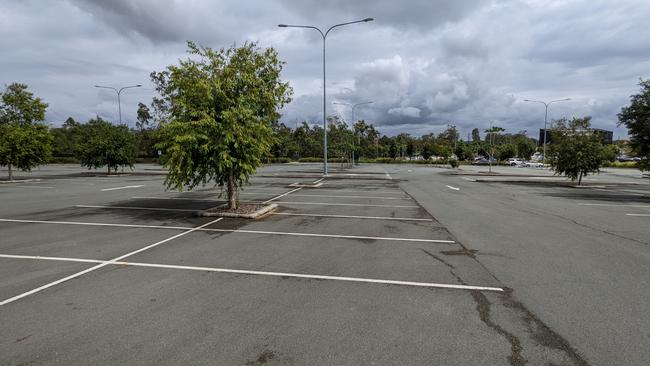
x=621, y=164
x=281, y=160
x=63, y=160
x=453, y=163
x=310, y=160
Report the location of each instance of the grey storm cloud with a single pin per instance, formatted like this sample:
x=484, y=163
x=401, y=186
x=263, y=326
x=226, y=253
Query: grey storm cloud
x=424, y=64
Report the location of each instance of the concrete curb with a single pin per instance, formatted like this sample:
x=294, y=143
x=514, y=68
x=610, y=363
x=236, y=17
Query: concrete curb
x=255, y=215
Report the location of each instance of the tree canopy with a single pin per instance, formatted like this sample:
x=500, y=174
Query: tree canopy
x=576, y=150
x=19, y=106
x=636, y=117
x=100, y=143
x=24, y=142
x=221, y=105
x=24, y=147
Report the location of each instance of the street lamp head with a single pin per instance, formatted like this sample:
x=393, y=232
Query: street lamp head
x=139, y=85
x=369, y=19
x=282, y=25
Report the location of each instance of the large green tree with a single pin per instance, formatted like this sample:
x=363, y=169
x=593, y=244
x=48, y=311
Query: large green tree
x=100, y=143
x=24, y=142
x=221, y=105
x=636, y=117
x=24, y=147
x=576, y=150
x=19, y=106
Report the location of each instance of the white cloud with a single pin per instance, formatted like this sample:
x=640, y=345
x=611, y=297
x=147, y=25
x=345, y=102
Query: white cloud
x=423, y=63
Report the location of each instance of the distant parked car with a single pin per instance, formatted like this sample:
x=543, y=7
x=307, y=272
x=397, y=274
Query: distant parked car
x=533, y=164
x=481, y=162
x=515, y=161
x=625, y=158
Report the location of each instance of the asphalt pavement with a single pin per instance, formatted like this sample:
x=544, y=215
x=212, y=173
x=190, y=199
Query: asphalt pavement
x=380, y=264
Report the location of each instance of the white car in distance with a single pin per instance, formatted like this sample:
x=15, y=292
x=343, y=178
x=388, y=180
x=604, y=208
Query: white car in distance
x=533, y=164
x=515, y=162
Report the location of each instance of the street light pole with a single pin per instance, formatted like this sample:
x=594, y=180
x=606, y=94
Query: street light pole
x=354, y=106
x=546, y=104
x=324, y=35
x=119, y=92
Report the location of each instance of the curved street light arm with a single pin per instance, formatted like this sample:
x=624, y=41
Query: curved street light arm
x=353, y=22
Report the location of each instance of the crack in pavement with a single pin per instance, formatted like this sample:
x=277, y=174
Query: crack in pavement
x=438, y=258
x=483, y=309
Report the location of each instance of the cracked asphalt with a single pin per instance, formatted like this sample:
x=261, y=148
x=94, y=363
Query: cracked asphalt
x=574, y=277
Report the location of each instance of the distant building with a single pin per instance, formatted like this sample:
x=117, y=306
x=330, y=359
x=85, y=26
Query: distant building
x=607, y=137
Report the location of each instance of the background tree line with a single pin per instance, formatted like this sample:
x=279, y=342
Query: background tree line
x=26, y=141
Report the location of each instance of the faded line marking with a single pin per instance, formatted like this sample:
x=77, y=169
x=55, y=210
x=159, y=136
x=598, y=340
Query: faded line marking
x=613, y=205
x=638, y=215
x=265, y=273
x=454, y=188
x=125, y=187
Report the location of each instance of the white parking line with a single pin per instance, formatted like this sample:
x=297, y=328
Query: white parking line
x=454, y=188
x=282, y=195
x=263, y=273
x=318, y=181
x=284, y=202
x=240, y=231
x=638, y=215
x=335, y=196
x=103, y=264
x=352, y=217
x=125, y=187
x=332, y=189
x=613, y=205
x=137, y=208
x=178, y=198
x=344, y=204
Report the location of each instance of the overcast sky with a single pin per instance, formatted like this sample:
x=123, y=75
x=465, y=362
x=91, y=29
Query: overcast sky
x=423, y=63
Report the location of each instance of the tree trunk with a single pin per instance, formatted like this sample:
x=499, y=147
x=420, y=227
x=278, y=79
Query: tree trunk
x=580, y=178
x=109, y=170
x=232, y=193
x=10, y=173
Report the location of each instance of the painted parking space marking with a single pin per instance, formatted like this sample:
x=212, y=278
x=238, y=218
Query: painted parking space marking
x=264, y=273
x=613, y=205
x=454, y=188
x=125, y=187
x=104, y=264
x=352, y=216
x=138, y=208
x=282, y=195
x=283, y=202
x=638, y=215
x=323, y=190
x=344, y=204
x=239, y=231
x=345, y=196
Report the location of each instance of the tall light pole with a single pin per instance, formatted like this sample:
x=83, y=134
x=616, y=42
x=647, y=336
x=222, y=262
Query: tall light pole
x=354, y=106
x=118, y=91
x=324, y=35
x=546, y=104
